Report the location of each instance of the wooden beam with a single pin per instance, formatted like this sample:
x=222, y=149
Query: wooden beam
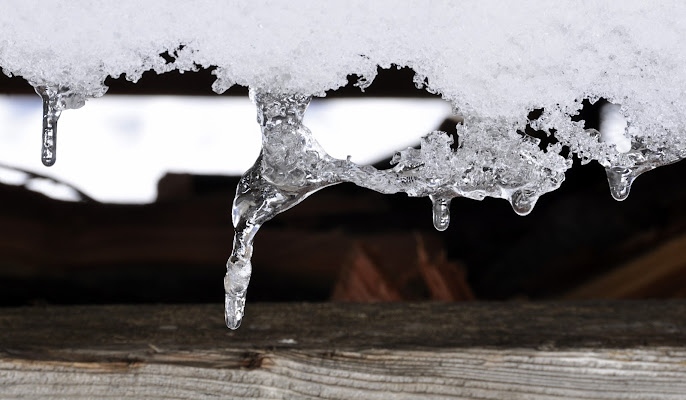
x=589, y=350
x=661, y=268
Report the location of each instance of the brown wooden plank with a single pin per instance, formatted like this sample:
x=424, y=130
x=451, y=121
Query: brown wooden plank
x=590, y=350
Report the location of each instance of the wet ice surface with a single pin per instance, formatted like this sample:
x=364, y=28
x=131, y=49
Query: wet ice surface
x=493, y=64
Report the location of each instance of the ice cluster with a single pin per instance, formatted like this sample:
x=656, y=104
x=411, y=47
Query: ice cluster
x=292, y=165
x=494, y=62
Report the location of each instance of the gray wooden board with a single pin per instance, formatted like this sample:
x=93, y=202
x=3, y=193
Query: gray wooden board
x=580, y=350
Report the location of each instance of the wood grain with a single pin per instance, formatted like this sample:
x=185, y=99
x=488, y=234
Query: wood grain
x=590, y=350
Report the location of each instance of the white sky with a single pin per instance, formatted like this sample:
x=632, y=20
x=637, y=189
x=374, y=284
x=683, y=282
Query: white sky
x=116, y=148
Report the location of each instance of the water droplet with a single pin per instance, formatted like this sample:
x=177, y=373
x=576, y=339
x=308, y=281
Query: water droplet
x=620, y=180
x=51, y=114
x=441, y=212
x=523, y=201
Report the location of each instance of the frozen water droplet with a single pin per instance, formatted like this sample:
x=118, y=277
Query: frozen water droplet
x=523, y=201
x=620, y=180
x=441, y=212
x=51, y=113
x=234, y=308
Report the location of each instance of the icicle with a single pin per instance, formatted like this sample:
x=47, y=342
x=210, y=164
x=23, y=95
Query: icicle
x=441, y=212
x=276, y=182
x=51, y=113
x=55, y=100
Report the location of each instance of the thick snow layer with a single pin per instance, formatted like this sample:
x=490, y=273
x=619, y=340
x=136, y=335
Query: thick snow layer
x=489, y=58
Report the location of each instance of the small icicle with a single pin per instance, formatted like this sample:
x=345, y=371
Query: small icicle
x=620, y=180
x=523, y=201
x=441, y=212
x=51, y=113
x=56, y=98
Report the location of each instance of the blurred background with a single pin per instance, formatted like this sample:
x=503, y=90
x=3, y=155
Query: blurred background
x=137, y=208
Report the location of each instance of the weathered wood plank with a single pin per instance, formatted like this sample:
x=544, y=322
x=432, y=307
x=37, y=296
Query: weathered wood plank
x=597, y=350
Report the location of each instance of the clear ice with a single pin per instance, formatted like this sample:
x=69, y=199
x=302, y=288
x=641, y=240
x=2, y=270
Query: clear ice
x=292, y=166
x=55, y=99
x=622, y=171
x=492, y=159
x=441, y=212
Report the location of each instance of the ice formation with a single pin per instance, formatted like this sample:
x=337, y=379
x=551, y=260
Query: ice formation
x=493, y=62
x=55, y=100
